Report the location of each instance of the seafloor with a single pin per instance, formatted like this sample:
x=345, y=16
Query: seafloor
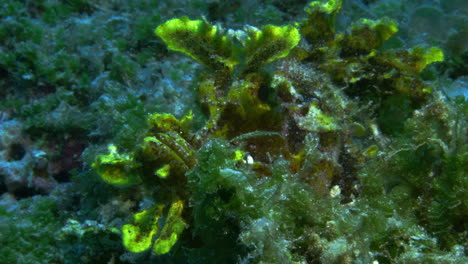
x=243, y=131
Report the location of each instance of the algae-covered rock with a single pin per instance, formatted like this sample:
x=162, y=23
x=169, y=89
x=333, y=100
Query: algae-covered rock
x=314, y=145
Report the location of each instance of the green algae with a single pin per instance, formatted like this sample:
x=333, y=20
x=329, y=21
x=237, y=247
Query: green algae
x=337, y=155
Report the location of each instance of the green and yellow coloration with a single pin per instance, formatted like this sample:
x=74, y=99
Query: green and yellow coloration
x=367, y=35
x=115, y=168
x=165, y=151
x=138, y=235
x=303, y=143
x=207, y=44
x=161, y=122
x=169, y=149
x=214, y=48
x=319, y=28
x=172, y=229
x=425, y=56
x=167, y=154
x=268, y=44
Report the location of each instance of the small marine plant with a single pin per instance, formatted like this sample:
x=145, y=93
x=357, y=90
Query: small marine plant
x=299, y=157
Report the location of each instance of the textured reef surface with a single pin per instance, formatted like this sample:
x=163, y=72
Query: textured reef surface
x=250, y=132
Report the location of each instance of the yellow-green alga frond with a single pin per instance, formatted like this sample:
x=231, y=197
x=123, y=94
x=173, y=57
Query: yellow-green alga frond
x=367, y=35
x=425, y=56
x=207, y=44
x=169, y=148
x=163, y=122
x=371, y=151
x=413, y=61
x=268, y=44
x=319, y=28
x=163, y=172
x=244, y=111
x=138, y=235
x=330, y=7
x=115, y=168
x=384, y=28
x=172, y=229
x=238, y=155
x=244, y=94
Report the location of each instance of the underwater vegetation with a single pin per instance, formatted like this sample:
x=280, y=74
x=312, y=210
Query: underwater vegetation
x=306, y=145
x=234, y=151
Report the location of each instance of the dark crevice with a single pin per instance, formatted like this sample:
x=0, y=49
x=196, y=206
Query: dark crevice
x=3, y=187
x=25, y=192
x=63, y=176
x=16, y=152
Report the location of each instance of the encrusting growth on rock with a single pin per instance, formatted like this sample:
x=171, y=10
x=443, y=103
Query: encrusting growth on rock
x=300, y=148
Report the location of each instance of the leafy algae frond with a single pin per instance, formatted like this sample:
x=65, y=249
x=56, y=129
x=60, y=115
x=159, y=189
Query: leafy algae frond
x=172, y=229
x=322, y=14
x=115, y=168
x=367, y=35
x=268, y=44
x=205, y=43
x=213, y=47
x=138, y=235
x=314, y=149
